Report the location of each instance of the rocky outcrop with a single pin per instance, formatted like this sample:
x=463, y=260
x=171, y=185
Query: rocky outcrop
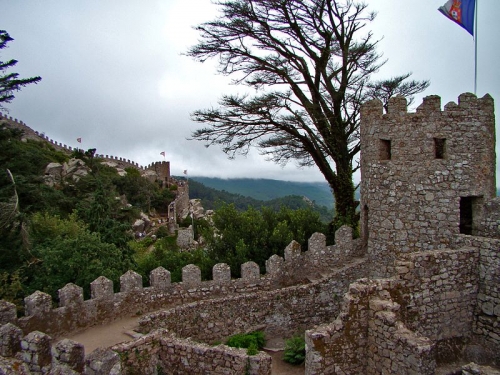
x=114, y=165
x=150, y=175
x=72, y=171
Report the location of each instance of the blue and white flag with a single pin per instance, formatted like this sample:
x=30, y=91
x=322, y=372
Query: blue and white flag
x=461, y=12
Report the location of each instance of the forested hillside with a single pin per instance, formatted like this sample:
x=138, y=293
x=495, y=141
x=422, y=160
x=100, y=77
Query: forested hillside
x=266, y=189
x=56, y=229
x=73, y=231
x=211, y=198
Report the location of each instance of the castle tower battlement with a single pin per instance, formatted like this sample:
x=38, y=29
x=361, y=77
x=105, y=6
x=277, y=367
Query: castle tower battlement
x=424, y=175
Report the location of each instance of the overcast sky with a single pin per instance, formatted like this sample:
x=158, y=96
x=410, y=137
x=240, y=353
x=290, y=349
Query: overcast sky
x=113, y=73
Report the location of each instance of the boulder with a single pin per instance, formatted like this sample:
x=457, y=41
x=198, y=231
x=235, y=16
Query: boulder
x=138, y=225
x=152, y=176
x=53, y=174
x=54, y=169
x=75, y=169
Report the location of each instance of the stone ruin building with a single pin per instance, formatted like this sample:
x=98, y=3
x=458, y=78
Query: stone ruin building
x=417, y=293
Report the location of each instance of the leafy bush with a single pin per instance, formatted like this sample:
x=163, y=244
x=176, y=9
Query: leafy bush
x=295, y=350
x=162, y=232
x=251, y=341
x=256, y=235
x=65, y=251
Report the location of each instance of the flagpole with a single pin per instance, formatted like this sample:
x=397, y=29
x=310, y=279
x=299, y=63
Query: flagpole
x=475, y=47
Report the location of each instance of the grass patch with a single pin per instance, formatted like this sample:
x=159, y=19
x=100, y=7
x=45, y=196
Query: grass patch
x=253, y=341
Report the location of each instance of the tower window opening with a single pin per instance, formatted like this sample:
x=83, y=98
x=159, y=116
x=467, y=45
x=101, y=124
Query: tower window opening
x=439, y=148
x=385, y=149
x=470, y=214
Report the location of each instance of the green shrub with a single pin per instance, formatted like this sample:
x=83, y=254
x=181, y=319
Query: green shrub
x=251, y=341
x=295, y=350
x=162, y=232
x=252, y=350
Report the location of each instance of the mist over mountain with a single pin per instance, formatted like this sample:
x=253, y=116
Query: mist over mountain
x=267, y=189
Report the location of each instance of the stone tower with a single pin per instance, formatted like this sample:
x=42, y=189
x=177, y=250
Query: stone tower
x=425, y=175
x=163, y=170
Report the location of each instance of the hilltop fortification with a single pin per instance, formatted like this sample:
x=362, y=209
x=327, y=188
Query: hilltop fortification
x=418, y=293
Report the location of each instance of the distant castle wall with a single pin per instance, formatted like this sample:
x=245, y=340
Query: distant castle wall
x=29, y=133
x=162, y=170
x=424, y=175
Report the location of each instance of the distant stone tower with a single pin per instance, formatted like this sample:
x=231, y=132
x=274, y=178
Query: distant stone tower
x=424, y=175
x=162, y=168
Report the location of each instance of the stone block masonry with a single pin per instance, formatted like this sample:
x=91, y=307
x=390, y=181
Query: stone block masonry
x=444, y=287
x=278, y=313
x=424, y=175
x=163, y=352
x=486, y=322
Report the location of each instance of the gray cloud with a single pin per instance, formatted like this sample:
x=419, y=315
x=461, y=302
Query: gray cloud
x=114, y=74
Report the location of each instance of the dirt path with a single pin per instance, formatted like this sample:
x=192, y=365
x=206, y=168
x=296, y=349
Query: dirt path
x=280, y=367
x=106, y=335
x=123, y=330
x=274, y=347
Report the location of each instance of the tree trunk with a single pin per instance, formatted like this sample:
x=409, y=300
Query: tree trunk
x=345, y=201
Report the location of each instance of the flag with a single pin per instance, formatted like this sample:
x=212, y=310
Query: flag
x=185, y=171
x=79, y=140
x=462, y=12
x=162, y=153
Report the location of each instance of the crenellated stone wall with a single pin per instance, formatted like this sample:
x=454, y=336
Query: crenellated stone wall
x=262, y=296
x=74, y=313
x=158, y=352
x=277, y=312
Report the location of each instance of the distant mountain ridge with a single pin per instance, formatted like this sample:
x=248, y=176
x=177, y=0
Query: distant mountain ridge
x=267, y=189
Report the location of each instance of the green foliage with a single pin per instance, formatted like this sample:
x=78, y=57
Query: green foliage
x=267, y=190
x=162, y=232
x=10, y=82
x=142, y=193
x=252, y=341
x=277, y=190
x=295, y=350
x=27, y=161
x=65, y=251
x=165, y=253
x=256, y=235
x=11, y=288
x=162, y=199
